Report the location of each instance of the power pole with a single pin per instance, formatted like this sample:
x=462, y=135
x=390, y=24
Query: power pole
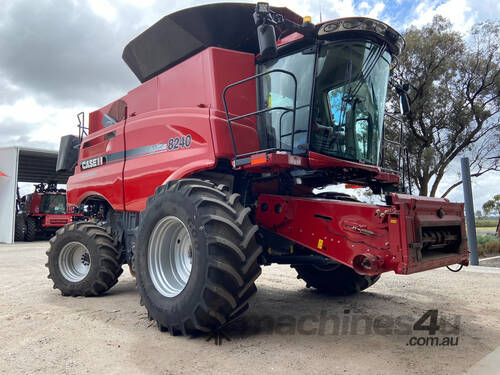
x=469, y=213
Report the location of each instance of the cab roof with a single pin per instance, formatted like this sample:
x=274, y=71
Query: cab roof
x=182, y=34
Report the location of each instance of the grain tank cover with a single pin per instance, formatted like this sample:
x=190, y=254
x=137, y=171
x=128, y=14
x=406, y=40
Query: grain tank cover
x=182, y=34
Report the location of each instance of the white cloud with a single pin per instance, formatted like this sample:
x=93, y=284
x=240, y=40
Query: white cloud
x=347, y=8
x=46, y=123
x=104, y=9
x=364, y=6
x=139, y=3
x=344, y=8
x=457, y=11
x=377, y=9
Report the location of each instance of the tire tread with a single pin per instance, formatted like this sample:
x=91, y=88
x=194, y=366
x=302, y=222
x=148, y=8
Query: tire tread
x=341, y=281
x=108, y=260
x=232, y=251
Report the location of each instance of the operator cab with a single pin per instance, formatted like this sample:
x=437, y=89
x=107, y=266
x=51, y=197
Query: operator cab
x=53, y=203
x=323, y=92
x=340, y=103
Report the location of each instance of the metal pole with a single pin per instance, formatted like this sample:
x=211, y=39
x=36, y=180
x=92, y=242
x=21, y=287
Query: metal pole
x=469, y=212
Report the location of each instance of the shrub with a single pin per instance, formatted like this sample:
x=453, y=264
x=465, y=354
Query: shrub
x=488, y=244
x=492, y=248
x=483, y=239
x=480, y=250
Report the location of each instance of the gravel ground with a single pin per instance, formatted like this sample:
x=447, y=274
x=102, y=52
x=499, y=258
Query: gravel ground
x=43, y=332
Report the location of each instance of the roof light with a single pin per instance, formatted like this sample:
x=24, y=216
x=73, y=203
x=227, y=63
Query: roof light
x=263, y=8
x=363, y=24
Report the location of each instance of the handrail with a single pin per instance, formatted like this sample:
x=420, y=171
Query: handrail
x=82, y=130
x=261, y=111
x=403, y=160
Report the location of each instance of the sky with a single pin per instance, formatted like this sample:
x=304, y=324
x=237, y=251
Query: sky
x=61, y=57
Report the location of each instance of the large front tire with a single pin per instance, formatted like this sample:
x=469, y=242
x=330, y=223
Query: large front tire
x=196, y=259
x=82, y=260
x=338, y=280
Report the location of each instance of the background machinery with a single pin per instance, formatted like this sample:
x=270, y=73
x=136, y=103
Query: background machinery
x=41, y=212
x=216, y=164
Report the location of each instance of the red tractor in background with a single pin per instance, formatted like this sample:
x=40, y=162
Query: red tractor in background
x=216, y=164
x=41, y=212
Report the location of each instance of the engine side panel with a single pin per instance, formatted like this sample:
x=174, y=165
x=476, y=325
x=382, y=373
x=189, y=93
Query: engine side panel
x=164, y=145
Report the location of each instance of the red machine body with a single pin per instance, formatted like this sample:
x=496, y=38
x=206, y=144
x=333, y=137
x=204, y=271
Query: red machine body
x=371, y=239
x=226, y=158
x=174, y=126
x=185, y=101
x=42, y=213
x=55, y=220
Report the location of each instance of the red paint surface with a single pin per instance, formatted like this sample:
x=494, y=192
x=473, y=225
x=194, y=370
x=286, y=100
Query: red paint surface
x=344, y=230
x=105, y=181
x=186, y=99
x=33, y=202
x=56, y=220
x=318, y=161
x=289, y=39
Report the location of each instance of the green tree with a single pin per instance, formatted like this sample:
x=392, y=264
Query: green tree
x=454, y=99
x=492, y=205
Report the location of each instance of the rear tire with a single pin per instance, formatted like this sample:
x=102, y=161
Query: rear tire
x=338, y=280
x=83, y=260
x=20, y=228
x=216, y=284
x=30, y=234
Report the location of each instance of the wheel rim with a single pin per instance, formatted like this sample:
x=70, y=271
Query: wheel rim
x=170, y=256
x=74, y=261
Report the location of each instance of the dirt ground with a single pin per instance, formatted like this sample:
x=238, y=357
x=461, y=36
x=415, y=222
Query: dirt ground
x=43, y=332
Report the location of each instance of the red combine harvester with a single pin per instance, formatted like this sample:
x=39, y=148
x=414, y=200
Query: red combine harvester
x=212, y=167
x=41, y=213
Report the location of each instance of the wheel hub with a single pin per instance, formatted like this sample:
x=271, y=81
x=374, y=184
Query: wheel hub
x=74, y=261
x=170, y=256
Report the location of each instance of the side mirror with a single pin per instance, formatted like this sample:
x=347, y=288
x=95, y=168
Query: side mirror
x=267, y=41
x=265, y=30
x=68, y=153
x=404, y=103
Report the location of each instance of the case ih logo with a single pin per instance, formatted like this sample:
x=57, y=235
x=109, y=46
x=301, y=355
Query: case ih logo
x=93, y=163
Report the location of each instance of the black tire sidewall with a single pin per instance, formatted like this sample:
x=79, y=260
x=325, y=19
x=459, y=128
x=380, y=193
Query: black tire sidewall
x=63, y=239
x=172, y=203
x=340, y=281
